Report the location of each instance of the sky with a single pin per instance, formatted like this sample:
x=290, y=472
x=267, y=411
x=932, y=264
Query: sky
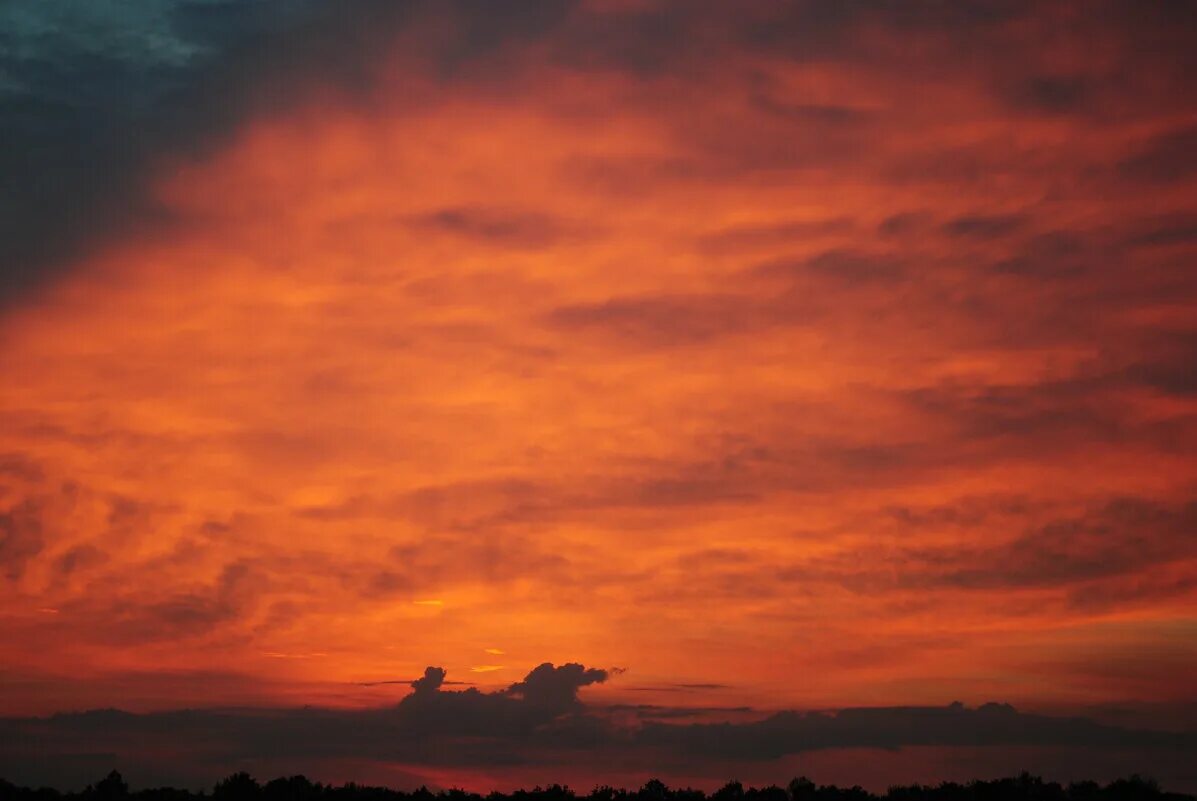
x=482, y=394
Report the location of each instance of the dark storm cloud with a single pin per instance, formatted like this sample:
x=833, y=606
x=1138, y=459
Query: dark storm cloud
x=538, y=720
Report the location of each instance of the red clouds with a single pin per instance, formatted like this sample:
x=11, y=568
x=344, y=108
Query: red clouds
x=853, y=345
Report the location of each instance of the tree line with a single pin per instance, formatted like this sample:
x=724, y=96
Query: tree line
x=243, y=787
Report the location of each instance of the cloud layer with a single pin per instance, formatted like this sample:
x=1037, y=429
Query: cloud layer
x=538, y=721
x=798, y=356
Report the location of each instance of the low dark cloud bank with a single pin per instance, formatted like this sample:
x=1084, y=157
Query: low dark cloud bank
x=537, y=721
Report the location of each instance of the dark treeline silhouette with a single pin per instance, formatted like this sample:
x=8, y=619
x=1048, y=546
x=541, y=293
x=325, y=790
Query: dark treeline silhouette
x=243, y=787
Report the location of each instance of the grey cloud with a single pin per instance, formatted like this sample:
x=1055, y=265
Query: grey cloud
x=555, y=689
x=1025, y=418
x=1164, y=230
x=93, y=92
x=21, y=538
x=984, y=226
x=1125, y=535
x=735, y=240
x=90, y=91
x=1166, y=158
x=498, y=226
x=903, y=223
x=430, y=682
x=843, y=265
x=1054, y=94
x=539, y=720
x=78, y=558
x=662, y=320
x=895, y=727
x=1110, y=549
x=184, y=613
x=1167, y=362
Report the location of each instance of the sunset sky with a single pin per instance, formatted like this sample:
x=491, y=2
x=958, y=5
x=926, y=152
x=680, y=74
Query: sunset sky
x=759, y=357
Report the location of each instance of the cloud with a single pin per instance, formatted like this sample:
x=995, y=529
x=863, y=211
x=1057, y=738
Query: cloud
x=660, y=321
x=1168, y=363
x=1164, y=158
x=984, y=226
x=1163, y=231
x=1054, y=94
x=989, y=725
x=555, y=689
x=96, y=94
x=501, y=227
x=538, y=720
x=1122, y=538
x=432, y=680
x=91, y=92
x=848, y=268
x=20, y=538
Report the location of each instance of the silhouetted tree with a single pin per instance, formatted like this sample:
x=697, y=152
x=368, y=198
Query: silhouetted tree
x=111, y=788
x=606, y=793
x=1135, y=788
x=242, y=787
x=238, y=787
x=292, y=788
x=654, y=790
x=732, y=791
x=802, y=789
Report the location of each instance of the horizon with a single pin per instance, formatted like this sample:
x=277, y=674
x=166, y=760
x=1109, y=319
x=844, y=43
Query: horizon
x=474, y=734
x=243, y=785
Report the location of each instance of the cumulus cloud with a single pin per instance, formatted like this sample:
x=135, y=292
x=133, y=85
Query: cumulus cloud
x=555, y=689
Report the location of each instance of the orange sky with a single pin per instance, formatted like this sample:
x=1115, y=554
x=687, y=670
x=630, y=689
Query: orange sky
x=850, y=379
